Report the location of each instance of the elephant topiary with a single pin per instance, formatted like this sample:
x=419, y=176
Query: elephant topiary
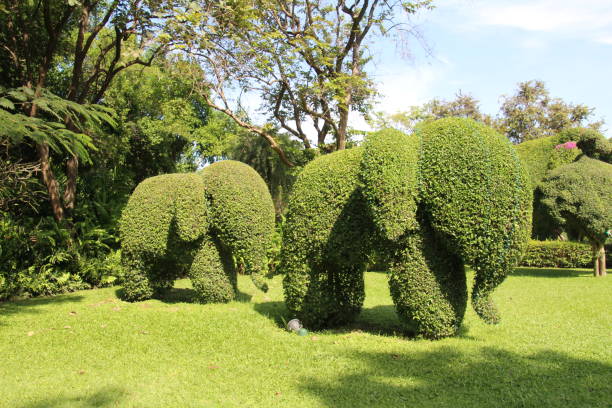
x=197, y=224
x=453, y=193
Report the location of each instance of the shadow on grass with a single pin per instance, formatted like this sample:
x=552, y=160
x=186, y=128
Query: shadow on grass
x=31, y=305
x=551, y=272
x=185, y=295
x=380, y=320
x=105, y=397
x=449, y=378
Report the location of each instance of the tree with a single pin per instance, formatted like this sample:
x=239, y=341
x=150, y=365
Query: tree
x=92, y=35
x=532, y=113
x=463, y=106
x=579, y=196
x=305, y=59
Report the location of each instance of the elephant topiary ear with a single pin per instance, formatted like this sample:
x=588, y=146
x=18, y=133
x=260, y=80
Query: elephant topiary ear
x=389, y=175
x=191, y=210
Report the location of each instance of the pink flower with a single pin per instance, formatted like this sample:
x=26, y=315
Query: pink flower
x=566, y=145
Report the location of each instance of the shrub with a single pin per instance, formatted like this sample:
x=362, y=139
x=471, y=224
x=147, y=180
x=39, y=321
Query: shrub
x=591, y=142
x=476, y=194
x=539, y=156
x=578, y=196
x=326, y=239
x=389, y=176
x=200, y=225
x=557, y=254
x=453, y=193
x=242, y=214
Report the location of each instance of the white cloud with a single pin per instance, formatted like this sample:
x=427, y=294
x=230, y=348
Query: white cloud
x=586, y=19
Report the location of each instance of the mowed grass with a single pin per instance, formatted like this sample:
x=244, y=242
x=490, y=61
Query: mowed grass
x=552, y=349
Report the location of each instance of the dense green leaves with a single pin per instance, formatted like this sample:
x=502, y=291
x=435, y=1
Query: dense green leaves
x=198, y=224
x=50, y=126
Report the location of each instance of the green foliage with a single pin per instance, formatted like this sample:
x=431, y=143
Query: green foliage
x=212, y=273
x=539, y=156
x=453, y=193
x=428, y=285
x=389, y=174
x=49, y=126
x=162, y=219
x=242, y=213
x=557, y=254
x=590, y=142
x=326, y=241
x=579, y=195
x=198, y=224
x=476, y=194
x=38, y=257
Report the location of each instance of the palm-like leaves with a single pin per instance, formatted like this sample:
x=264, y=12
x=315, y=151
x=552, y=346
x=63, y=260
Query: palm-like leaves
x=50, y=125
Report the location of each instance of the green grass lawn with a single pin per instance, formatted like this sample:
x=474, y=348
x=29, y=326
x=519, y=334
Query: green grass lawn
x=552, y=349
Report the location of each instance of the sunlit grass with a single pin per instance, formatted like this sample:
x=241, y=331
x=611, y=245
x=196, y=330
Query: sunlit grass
x=552, y=349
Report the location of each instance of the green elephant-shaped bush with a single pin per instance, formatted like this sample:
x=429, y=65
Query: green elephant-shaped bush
x=453, y=193
x=197, y=224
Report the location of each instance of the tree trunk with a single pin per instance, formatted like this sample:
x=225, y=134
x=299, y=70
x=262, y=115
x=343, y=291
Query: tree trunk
x=72, y=172
x=342, y=125
x=50, y=181
x=602, y=261
x=599, y=260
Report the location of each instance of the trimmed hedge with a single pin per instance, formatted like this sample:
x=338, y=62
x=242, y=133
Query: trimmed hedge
x=326, y=239
x=557, y=254
x=389, y=175
x=539, y=156
x=579, y=195
x=242, y=214
x=454, y=193
x=477, y=196
x=196, y=224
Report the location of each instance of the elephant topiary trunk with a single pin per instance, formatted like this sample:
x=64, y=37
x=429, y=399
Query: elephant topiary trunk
x=199, y=225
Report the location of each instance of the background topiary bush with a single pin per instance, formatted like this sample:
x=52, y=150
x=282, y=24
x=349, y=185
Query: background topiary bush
x=453, y=193
x=557, y=254
x=579, y=196
x=197, y=225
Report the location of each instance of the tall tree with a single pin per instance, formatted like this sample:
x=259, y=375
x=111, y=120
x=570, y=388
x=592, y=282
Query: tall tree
x=38, y=35
x=532, y=113
x=305, y=59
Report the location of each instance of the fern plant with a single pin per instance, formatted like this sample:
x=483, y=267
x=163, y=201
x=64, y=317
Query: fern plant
x=50, y=125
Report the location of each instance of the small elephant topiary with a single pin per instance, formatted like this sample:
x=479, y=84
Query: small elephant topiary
x=451, y=194
x=197, y=224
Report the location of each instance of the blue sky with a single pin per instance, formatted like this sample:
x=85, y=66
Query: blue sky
x=485, y=48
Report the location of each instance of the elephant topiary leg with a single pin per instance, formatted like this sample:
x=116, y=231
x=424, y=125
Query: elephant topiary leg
x=212, y=273
x=136, y=285
x=327, y=297
x=428, y=286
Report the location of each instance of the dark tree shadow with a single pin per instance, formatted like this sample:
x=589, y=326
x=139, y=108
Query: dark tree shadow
x=105, y=397
x=185, y=295
x=449, y=378
x=551, y=272
x=30, y=306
